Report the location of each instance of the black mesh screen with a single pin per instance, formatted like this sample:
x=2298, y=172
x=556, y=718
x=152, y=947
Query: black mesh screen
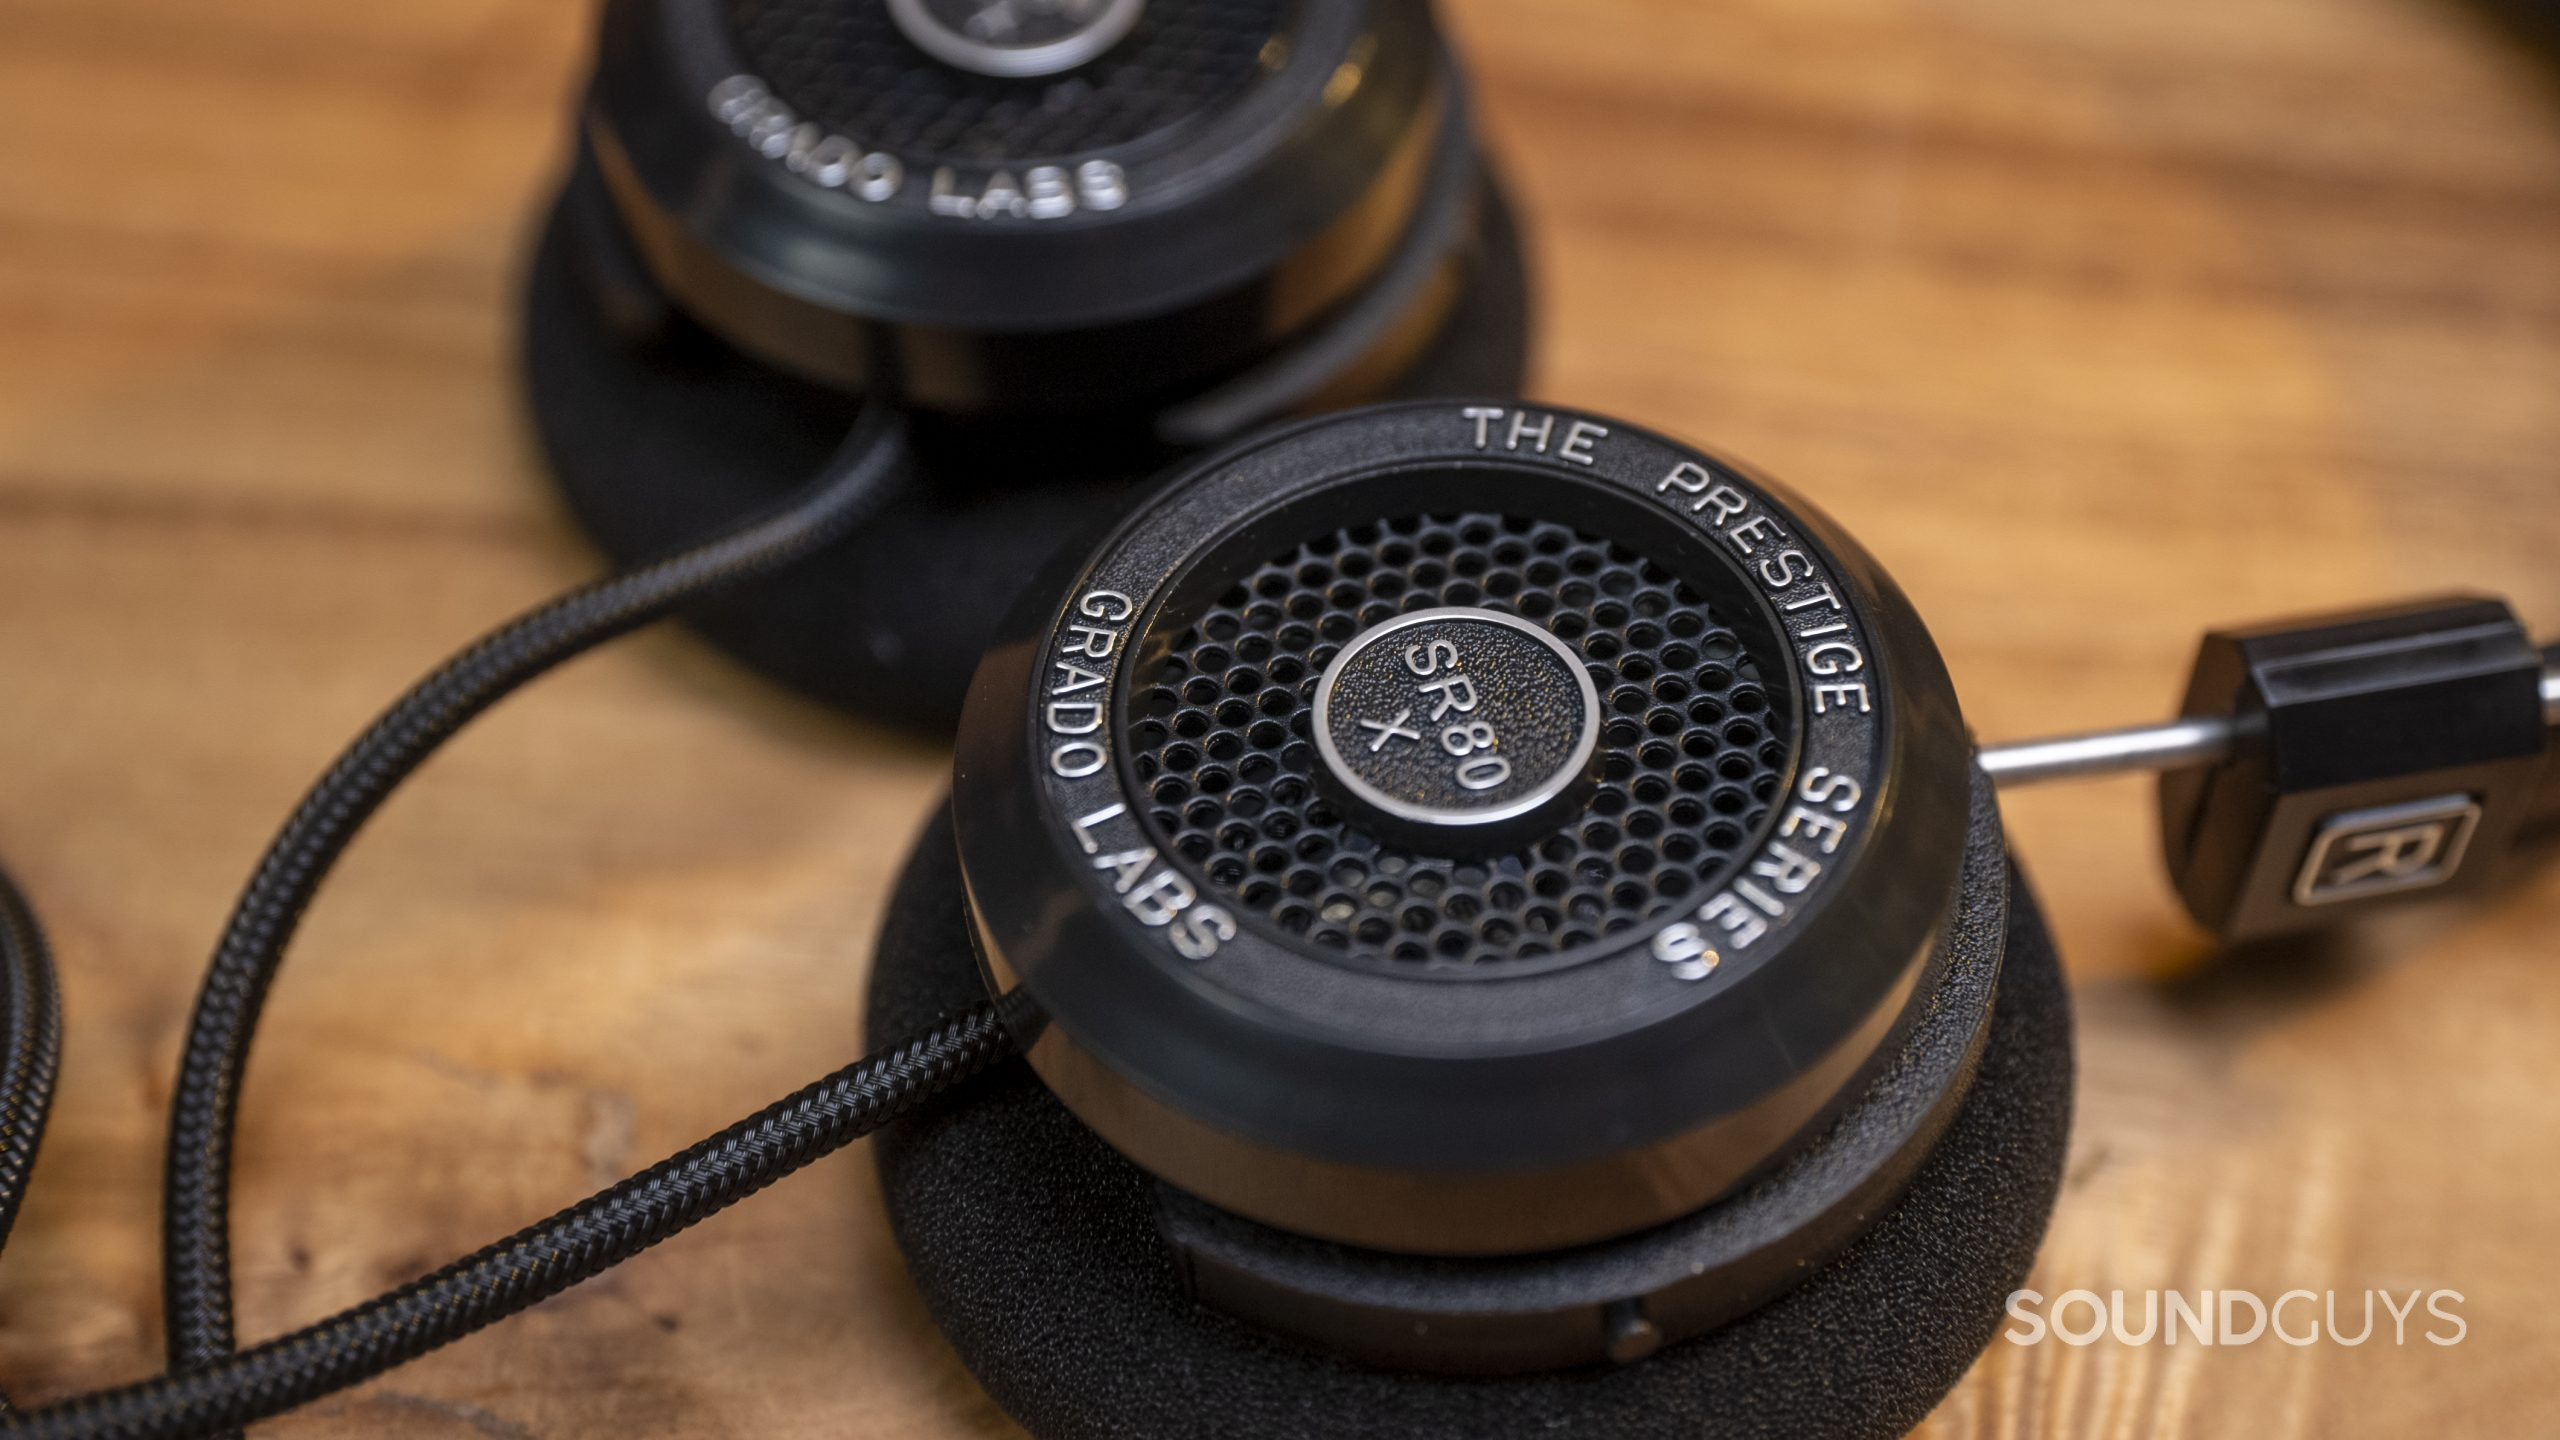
x=845, y=65
x=1691, y=752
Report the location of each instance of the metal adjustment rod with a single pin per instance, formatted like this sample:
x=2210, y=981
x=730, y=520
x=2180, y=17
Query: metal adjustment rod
x=2327, y=765
x=2136, y=749
x=2150, y=749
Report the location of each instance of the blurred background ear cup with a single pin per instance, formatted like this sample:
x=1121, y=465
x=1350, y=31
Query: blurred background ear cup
x=1038, y=1250
x=658, y=434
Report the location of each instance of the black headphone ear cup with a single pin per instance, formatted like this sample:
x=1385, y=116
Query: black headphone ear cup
x=1037, y=1250
x=659, y=434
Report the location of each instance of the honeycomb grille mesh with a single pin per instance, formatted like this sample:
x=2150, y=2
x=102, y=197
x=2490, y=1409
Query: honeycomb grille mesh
x=844, y=64
x=1691, y=752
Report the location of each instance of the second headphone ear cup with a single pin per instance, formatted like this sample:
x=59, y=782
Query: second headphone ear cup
x=1038, y=1250
x=660, y=437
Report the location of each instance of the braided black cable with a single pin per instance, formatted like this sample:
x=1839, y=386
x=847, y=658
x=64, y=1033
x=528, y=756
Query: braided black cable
x=30, y=1048
x=538, y=1262
x=30, y=1045
x=196, y=1221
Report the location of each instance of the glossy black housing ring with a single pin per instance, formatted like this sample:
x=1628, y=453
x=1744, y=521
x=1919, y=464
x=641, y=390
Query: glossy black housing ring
x=1621, y=1300
x=1537, y=1110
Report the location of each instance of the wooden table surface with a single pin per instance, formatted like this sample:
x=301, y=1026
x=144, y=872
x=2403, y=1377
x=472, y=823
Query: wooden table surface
x=2099, y=321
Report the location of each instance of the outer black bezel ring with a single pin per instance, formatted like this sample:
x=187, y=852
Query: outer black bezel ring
x=1540, y=1110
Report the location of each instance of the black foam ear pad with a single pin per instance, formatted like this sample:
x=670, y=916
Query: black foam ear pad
x=1037, y=1250
x=660, y=437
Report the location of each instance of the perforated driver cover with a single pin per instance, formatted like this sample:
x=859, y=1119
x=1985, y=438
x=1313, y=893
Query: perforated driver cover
x=845, y=64
x=1689, y=750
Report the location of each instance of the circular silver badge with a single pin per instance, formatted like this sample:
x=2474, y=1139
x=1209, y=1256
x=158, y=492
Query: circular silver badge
x=1457, y=725
x=1016, y=38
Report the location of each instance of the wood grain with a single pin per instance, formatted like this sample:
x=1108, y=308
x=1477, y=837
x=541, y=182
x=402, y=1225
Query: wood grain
x=2100, y=322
